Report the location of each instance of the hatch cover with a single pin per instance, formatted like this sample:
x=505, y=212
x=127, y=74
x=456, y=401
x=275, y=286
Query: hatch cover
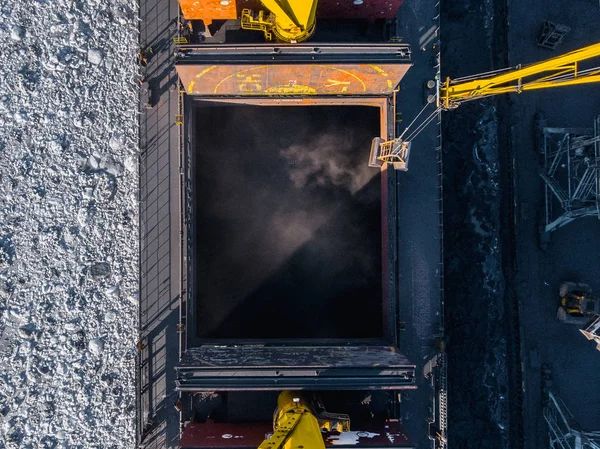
x=293, y=71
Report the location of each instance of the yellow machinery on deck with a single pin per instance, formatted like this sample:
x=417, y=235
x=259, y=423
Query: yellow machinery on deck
x=577, y=305
x=297, y=425
x=562, y=70
x=289, y=21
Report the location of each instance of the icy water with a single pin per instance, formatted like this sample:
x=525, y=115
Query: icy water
x=68, y=224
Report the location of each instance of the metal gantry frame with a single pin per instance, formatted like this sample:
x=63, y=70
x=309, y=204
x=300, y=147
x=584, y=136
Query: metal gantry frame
x=563, y=430
x=571, y=174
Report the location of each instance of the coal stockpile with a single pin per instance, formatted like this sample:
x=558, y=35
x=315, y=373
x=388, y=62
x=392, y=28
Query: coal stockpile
x=286, y=225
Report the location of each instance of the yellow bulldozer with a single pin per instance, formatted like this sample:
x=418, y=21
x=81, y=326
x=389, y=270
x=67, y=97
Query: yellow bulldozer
x=577, y=304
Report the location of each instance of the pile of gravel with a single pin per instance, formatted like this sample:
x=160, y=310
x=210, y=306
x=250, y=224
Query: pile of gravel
x=68, y=223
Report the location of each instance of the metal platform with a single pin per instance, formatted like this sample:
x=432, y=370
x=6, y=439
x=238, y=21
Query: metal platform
x=552, y=34
x=216, y=368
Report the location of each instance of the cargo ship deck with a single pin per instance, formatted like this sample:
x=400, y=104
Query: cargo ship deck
x=353, y=260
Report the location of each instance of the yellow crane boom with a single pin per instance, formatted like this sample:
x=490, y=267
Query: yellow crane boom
x=288, y=20
x=559, y=71
x=562, y=70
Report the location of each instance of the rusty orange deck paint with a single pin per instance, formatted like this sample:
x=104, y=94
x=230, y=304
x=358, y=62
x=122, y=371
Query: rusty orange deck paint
x=209, y=10
x=282, y=79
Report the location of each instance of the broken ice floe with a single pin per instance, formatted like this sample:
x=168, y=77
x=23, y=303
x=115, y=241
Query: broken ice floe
x=68, y=217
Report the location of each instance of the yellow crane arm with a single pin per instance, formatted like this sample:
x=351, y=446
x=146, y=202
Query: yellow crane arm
x=559, y=71
x=289, y=20
x=562, y=70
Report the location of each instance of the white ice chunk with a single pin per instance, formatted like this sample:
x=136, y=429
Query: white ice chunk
x=17, y=33
x=94, y=56
x=96, y=346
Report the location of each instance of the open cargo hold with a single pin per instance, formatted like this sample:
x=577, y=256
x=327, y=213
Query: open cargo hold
x=287, y=236
x=287, y=223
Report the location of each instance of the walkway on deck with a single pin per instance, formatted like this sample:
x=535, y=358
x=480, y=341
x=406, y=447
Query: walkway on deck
x=159, y=233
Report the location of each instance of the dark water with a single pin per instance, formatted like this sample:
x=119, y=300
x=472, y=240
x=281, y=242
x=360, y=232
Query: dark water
x=287, y=225
x=482, y=392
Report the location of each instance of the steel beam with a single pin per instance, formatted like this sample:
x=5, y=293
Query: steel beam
x=248, y=367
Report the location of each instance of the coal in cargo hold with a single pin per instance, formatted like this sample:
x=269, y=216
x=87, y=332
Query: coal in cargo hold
x=285, y=227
